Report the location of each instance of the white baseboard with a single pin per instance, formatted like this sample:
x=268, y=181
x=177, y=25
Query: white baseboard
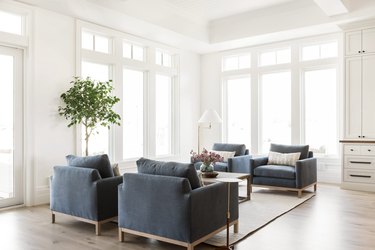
x=42, y=195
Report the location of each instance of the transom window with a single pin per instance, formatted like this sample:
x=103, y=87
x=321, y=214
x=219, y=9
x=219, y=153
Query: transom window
x=11, y=23
x=133, y=51
x=163, y=58
x=279, y=56
x=236, y=62
x=319, y=51
x=95, y=42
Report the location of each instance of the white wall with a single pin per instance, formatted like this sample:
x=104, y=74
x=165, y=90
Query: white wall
x=53, y=63
x=211, y=96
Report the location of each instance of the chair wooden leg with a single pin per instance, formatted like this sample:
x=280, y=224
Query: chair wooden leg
x=53, y=218
x=190, y=247
x=97, y=228
x=315, y=186
x=299, y=193
x=120, y=235
x=235, y=228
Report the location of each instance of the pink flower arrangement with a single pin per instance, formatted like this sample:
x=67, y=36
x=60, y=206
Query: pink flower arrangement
x=206, y=157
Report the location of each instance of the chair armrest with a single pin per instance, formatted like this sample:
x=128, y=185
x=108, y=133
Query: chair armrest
x=209, y=207
x=73, y=191
x=306, y=172
x=239, y=164
x=256, y=162
x=107, y=197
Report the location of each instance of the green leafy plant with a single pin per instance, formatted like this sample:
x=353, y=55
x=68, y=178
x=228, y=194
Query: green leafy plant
x=89, y=103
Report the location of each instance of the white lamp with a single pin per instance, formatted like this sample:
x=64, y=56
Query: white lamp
x=209, y=116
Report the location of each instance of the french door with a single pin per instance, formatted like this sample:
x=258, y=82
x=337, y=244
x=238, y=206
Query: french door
x=11, y=127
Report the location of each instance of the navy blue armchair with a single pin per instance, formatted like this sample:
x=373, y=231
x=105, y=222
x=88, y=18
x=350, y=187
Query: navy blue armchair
x=81, y=192
x=240, y=163
x=164, y=204
x=295, y=178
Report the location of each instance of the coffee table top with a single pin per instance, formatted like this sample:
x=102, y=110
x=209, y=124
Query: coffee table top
x=227, y=175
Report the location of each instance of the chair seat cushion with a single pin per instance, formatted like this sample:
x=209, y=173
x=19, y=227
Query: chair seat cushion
x=185, y=170
x=276, y=171
x=221, y=166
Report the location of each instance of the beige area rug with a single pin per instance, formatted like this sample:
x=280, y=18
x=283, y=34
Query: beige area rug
x=264, y=207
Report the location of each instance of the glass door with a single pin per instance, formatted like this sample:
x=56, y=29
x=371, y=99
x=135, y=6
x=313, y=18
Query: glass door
x=11, y=134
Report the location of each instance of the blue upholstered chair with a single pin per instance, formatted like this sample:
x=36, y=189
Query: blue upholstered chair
x=165, y=201
x=86, y=190
x=296, y=178
x=240, y=163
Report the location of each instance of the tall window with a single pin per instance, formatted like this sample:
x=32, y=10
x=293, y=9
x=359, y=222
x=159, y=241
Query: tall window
x=163, y=59
x=132, y=123
x=238, y=110
x=275, y=109
x=320, y=92
x=99, y=142
x=236, y=62
x=132, y=51
x=279, y=56
x=163, y=114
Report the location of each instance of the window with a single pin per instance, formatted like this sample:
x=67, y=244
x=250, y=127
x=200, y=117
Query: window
x=319, y=51
x=163, y=108
x=236, y=62
x=95, y=42
x=132, y=51
x=99, y=142
x=132, y=123
x=321, y=111
x=280, y=56
x=238, y=111
x=163, y=59
x=144, y=88
x=275, y=109
x=11, y=23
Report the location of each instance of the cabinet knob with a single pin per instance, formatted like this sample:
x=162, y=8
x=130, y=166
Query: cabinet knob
x=369, y=150
x=363, y=136
x=363, y=51
x=351, y=149
x=359, y=51
x=359, y=136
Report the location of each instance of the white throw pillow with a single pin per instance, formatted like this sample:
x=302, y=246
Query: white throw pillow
x=275, y=158
x=116, y=169
x=224, y=154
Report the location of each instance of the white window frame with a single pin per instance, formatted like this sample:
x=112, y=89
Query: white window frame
x=150, y=69
x=296, y=67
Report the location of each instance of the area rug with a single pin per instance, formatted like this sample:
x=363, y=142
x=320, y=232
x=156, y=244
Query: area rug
x=264, y=207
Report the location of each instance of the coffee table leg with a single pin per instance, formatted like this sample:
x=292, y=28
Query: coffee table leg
x=249, y=188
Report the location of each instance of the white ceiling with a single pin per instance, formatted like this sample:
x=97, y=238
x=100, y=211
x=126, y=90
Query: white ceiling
x=205, y=26
x=208, y=10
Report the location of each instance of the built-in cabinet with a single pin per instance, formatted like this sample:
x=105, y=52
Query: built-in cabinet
x=359, y=166
x=360, y=97
x=358, y=144
x=360, y=42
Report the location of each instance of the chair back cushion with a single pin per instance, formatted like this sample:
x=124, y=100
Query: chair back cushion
x=184, y=170
x=303, y=149
x=99, y=162
x=288, y=159
x=240, y=149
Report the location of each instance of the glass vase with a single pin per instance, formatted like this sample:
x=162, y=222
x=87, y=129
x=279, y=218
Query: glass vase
x=207, y=167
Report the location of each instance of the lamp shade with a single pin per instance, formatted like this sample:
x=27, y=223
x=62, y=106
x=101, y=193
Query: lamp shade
x=210, y=116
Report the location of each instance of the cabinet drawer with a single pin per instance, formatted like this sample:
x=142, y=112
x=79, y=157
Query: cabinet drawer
x=359, y=176
x=368, y=150
x=352, y=149
x=359, y=162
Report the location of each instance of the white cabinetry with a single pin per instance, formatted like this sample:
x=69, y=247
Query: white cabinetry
x=360, y=97
x=360, y=42
x=359, y=166
x=360, y=89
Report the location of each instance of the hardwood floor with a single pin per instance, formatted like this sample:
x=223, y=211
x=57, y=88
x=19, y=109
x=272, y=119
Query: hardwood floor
x=333, y=219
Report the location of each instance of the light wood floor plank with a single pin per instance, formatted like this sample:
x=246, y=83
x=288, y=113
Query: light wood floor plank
x=333, y=219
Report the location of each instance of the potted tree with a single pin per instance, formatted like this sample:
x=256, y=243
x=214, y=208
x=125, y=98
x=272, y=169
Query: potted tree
x=90, y=103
